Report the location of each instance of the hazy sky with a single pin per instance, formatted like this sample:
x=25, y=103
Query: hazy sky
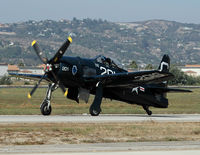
x=113, y=10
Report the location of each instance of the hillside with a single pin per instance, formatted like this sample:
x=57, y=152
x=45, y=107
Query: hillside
x=145, y=42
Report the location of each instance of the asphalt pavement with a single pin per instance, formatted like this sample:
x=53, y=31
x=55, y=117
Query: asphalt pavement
x=86, y=118
x=184, y=147
x=136, y=148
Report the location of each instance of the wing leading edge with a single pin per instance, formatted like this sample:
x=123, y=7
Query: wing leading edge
x=28, y=76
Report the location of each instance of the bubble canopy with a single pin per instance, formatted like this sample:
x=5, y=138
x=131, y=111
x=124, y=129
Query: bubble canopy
x=107, y=62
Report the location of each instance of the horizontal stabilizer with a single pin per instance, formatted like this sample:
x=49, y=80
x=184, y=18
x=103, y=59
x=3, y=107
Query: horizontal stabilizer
x=168, y=90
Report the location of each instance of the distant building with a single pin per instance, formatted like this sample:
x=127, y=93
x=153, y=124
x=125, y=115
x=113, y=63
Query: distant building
x=3, y=69
x=6, y=68
x=31, y=70
x=191, y=70
x=12, y=69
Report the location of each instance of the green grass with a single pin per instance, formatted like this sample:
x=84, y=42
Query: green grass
x=14, y=101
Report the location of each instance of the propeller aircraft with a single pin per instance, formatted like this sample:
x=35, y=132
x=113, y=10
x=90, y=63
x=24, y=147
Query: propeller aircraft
x=101, y=77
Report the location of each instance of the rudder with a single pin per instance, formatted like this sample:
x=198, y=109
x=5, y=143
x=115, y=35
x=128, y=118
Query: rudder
x=164, y=64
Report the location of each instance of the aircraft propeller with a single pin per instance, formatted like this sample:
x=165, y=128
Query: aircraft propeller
x=49, y=64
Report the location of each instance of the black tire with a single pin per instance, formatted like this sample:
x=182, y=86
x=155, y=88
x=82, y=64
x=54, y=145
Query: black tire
x=94, y=112
x=149, y=113
x=44, y=109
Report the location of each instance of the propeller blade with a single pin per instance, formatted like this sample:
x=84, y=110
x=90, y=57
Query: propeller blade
x=61, y=51
x=54, y=60
x=39, y=51
x=62, y=87
x=35, y=87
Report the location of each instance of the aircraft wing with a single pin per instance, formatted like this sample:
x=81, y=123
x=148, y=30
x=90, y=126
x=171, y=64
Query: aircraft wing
x=131, y=79
x=28, y=76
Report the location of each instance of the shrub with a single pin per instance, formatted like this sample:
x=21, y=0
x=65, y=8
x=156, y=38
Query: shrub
x=5, y=80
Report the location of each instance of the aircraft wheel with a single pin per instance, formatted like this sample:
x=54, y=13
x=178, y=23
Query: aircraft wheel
x=45, y=110
x=94, y=112
x=149, y=113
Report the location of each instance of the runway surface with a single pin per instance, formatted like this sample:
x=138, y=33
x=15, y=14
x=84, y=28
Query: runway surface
x=180, y=152
x=190, y=152
x=85, y=118
x=136, y=148
x=185, y=147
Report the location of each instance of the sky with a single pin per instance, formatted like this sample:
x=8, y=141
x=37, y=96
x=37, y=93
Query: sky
x=185, y=11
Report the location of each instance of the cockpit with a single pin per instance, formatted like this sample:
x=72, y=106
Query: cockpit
x=106, y=61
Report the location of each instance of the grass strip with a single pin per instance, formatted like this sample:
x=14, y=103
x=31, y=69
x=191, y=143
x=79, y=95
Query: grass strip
x=76, y=133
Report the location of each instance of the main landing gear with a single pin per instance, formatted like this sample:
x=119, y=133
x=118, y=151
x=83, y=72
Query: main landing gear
x=95, y=108
x=45, y=107
x=146, y=108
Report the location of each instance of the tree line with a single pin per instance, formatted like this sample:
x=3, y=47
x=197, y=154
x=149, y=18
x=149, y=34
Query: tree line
x=182, y=79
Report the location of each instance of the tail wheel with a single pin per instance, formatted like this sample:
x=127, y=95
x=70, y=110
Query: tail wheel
x=45, y=109
x=146, y=108
x=149, y=113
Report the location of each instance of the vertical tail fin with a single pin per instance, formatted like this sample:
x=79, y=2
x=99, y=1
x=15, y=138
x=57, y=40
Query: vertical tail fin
x=164, y=67
x=164, y=64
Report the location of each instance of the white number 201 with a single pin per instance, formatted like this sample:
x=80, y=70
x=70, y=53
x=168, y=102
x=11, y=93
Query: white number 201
x=106, y=71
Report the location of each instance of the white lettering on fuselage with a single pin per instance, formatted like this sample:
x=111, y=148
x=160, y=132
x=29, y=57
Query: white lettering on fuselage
x=106, y=71
x=65, y=68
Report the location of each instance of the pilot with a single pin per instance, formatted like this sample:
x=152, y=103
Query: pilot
x=109, y=61
x=106, y=61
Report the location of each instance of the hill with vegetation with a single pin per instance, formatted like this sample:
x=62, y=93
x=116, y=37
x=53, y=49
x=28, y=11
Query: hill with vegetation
x=144, y=42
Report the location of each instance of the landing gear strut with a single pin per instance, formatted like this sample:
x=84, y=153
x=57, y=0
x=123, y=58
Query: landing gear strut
x=95, y=108
x=146, y=108
x=45, y=107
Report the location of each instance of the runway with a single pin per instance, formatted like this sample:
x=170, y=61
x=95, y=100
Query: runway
x=187, y=152
x=137, y=148
x=140, y=148
x=85, y=118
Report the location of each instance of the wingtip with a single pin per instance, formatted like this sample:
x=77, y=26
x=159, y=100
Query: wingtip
x=70, y=39
x=33, y=43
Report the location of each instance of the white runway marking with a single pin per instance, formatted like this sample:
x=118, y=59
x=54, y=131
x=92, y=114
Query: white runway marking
x=98, y=119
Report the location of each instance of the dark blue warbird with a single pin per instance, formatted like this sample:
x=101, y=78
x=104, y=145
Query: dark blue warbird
x=103, y=78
